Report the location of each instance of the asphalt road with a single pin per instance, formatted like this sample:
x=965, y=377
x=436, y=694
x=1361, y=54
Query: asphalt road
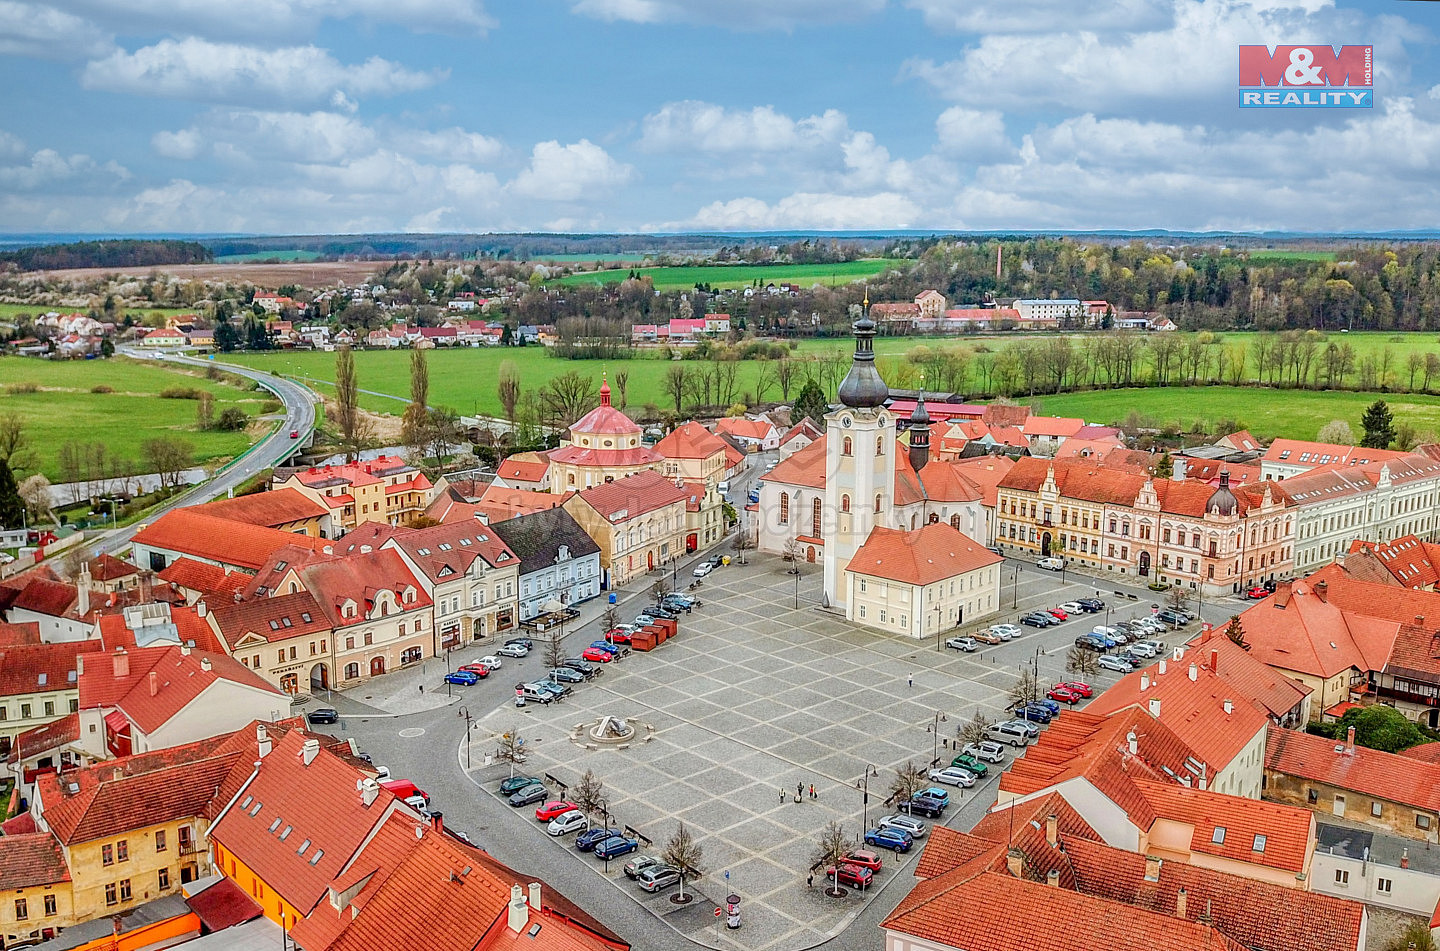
x=274, y=448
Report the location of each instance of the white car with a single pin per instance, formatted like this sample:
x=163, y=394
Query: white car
x=1073, y=607
x=1157, y=646
x=1111, y=662
x=967, y=644
x=1006, y=631
x=703, y=569
x=953, y=776
x=1142, y=649
x=1050, y=564
x=568, y=822
x=490, y=662
x=513, y=650
x=915, y=827
x=987, y=751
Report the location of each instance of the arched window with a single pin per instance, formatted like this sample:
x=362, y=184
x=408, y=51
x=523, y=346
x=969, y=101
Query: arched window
x=846, y=447
x=815, y=509
x=880, y=445
x=784, y=509
x=955, y=522
x=352, y=671
x=877, y=503
x=845, y=503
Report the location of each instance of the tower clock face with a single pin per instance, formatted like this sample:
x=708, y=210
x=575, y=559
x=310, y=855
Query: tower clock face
x=845, y=421
x=884, y=418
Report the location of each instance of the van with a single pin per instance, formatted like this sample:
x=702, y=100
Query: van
x=724, y=487
x=1009, y=733
x=405, y=789
x=535, y=693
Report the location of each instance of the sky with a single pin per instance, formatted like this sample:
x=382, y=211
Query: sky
x=345, y=116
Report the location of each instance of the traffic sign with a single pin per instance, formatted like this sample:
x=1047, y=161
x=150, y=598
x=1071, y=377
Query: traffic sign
x=719, y=912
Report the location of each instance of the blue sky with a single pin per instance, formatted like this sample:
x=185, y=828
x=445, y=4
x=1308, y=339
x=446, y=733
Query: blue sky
x=304, y=116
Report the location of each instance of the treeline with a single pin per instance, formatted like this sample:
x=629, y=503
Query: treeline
x=125, y=252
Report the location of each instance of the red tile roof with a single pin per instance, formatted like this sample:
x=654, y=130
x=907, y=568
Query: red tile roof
x=109, y=568
x=985, y=473
x=274, y=619
x=1425, y=752
x=802, y=428
x=1114, y=484
x=1407, y=561
x=1324, y=453
x=605, y=420
x=805, y=467
x=1298, y=629
x=189, y=630
x=189, y=532
x=605, y=458
x=636, y=494
x=365, y=472
x=271, y=509
x=1052, y=426
x=44, y=738
x=223, y=905
x=361, y=578
x=1250, y=830
x=745, y=428
x=1399, y=779
x=43, y=596
x=923, y=556
x=500, y=503
x=16, y=635
x=181, y=675
x=1262, y=685
x=690, y=440
x=202, y=577
x=34, y=668
x=524, y=467
x=29, y=861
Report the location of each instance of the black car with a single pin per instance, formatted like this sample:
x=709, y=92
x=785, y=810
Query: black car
x=921, y=805
x=528, y=795
x=1086, y=642
x=675, y=604
x=1091, y=604
x=566, y=675
x=581, y=666
x=656, y=610
x=1032, y=620
x=324, y=715
x=524, y=642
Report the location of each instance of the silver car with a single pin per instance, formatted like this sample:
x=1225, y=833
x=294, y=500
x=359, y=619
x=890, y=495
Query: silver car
x=1007, y=631
x=915, y=827
x=953, y=776
x=656, y=877
x=967, y=644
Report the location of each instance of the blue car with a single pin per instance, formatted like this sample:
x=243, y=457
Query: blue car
x=1032, y=712
x=606, y=646
x=1049, y=704
x=590, y=838
x=893, y=839
x=935, y=792
x=615, y=846
x=754, y=496
x=463, y=677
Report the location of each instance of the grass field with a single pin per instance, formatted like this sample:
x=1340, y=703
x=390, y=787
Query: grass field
x=1280, y=256
x=740, y=275
x=288, y=256
x=64, y=409
x=8, y=311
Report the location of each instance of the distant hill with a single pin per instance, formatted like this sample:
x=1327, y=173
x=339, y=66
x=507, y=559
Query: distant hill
x=121, y=253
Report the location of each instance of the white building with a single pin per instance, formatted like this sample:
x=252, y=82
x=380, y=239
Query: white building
x=921, y=583
x=559, y=563
x=1036, y=309
x=1376, y=501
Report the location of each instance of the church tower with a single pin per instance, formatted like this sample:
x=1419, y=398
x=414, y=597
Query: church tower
x=859, y=470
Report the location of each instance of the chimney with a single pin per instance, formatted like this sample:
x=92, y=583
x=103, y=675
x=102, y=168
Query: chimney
x=1162, y=665
x=1177, y=472
x=154, y=679
x=1015, y=862
x=1155, y=708
x=1144, y=681
x=1350, y=742
x=205, y=663
x=519, y=912
x=1282, y=594
x=82, y=590
x=1321, y=590
x=122, y=663
x=437, y=821
x=1180, y=904
x=1052, y=878
x=369, y=789
x=1229, y=707
x=200, y=609
x=1194, y=672
x=1419, y=620
x=1133, y=742
x=1152, y=868
x=535, y=895
x=309, y=751
x=1214, y=661
x=184, y=650
x=1404, y=858
x=262, y=740
x=1052, y=829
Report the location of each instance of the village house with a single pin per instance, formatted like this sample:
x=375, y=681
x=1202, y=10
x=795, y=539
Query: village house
x=693, y=453
x=921, y=583
x=385, y=489
x=559, y=562
x=638, y=521
x=471, y=575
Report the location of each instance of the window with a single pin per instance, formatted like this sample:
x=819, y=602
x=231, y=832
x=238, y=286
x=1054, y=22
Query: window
x=1259, y=845
x=1422, y=822
x=369, y=639
x=1218, y=837
x=846, y=447
x=49, y=708
x=164, y=879
x=880, y=445
x=877, y=503
x=159, y=840
x=1312, y=796
x=50, y=906
x=110, y=898
x=1383, y=885
x=22, y=910
x=815, y=510
x=882, y=616
x=124, y=889
x=1375, y=809
x=107, y=855
x=845, y=503
x=4, y=713
x=24, y=711
x=122, y=851
x=1342, y=877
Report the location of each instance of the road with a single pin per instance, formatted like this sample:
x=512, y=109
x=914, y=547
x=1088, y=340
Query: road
x=274, y=448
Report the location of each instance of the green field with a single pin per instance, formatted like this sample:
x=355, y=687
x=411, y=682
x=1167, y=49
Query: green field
x=1276, y=256
x=740, y=275
x=285, y=256
x=64, y=410
x=9, y=311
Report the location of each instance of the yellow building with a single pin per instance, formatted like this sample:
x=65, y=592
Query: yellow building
x=921, y=583
x=386, y=489
x=35, y=896
x=694, y=454
x=285, y=639
x=638, y=522
x=603, y=445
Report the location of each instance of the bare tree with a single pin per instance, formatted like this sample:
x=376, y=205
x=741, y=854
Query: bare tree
x=659, y=588
x=1177, y=598
x=677, y=383
x=830, y=847
x=568, y=396
x=168, y=457
x=1081, y=662
x=35, y=493
x=416, y=424
x=742, y=543
x=622, y=384
x=588, y=793
x=684, y=854
x=785, y=376
x=610, y=618
x=909, y=779
x=205, y=412
x=508, y=388
x=973, y=730
x=510, y=748
x=353, y=425
x=792, y=553
x=554, y=654
x=14, y=441
x=1026, y=688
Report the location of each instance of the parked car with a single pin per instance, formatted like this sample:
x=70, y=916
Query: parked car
x=642, y=620
x=703, y=569
x=572, y=820
x=1058, y=614
x=479, y=670
x=655, y=877
x=1035, y=620
x=918, y=805
x=1090, y=642
x=590, y=838
x=1009, y=732
x=1050, y=564
x=1112, y=662
x=1141, y=649
x=954, y=776
x=526, y=795
x=658, y=610
x=1011, y=629
x=1073, y=607
x=516, y=783
x=1091, y=604
x=1064, y=695
x=1174, y=618
x=491, y=661
x=989, y=637
x=1258, y=593
x=566, y=675
x=1104, y=633
x=557, y=690
x=855, y=875
x=615, y=846
x=967, y=644
x=605, y=646
x=554, y=808
x=914, y=827
x=863, y=858
x=967, y=762
x=1033, y=712
x=987, y=750
x=897, y=840
x=679, y=602
x=524, y=642
x=1077, y=686
x=323, y=715
x=638, y=864
x=512, y=650
x=619, y=634
x=465, y=678
x=597, y=655
x=1031, y=730
x=582, y=666
x=1159, y=646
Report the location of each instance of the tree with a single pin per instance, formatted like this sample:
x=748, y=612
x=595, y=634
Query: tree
x=1026, y=688
x=830, y=847
x=1081, y=662
x=414, y=428
x=205, y=412
x=1415, y=937
x=554, y=652
x=610, y=618
x=1379, y=426
x=659, y=588
x=168, y=457
x=347, y=405
x=1177, y=598
x=622, y=385
x=973, y=730
x=810, y=404
x=785, y=376
x=677, y=383
x=589, y=792
x=510, y=748
x=742, y=543
x=1236, y=633
x=107, y=349
x=508, y=388
x=683, y=854
x=13, y=441
x=1336, y=431
x=12, y=507
x=1381, y=728
x=792, y=553
x=227, y=338
x=909, y=779
x=232, y=420
x=35, y=493
x=567, y=397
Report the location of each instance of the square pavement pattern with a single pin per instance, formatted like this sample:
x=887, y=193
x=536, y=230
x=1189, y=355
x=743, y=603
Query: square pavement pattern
x=751, y=698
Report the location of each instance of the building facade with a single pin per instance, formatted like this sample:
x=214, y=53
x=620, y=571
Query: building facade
x=559, y=562
x=638, y=521
x=924, y=583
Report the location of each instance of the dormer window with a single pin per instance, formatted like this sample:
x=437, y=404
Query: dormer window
x=1218, y=837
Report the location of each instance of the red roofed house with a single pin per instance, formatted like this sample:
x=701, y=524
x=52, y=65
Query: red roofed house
x=1289, y=457
x=109, y=574
x=194, y=534
x=37, y=686
x=385, y=489
x=499, y=503
x=164, y=337
x=757, y=434
x=602, y=445
x=638, y=522
x=694, y=454
x=799, y=436
x=1408, y=562
x=1046, y=434
x=921, y=583
x=200, y=579
x=151, y=698
x=470, y=574
x=35, y=890
x=524, y=470
x=278, y=638
x=288, y=510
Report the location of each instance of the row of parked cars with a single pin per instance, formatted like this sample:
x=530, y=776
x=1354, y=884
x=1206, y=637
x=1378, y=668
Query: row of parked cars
x=1000, y=633
x=1137, y=640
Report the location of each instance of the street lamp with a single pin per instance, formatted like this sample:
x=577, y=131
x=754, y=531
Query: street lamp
x=934, y=728
x=464, y=714
x=1014, y=588
x=863, y=784
x=939, y=634
x=797, y=584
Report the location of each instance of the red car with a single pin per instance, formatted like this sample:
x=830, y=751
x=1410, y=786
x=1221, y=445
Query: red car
x=1059, y=614
x=1076, y=686
x=553, y=808
x=856, y=875
x=1064, y=695
x=863, y=858
x=618, y=635
x=599, y=655
x=1258, y=593
x=479, y=670
x=294, y=434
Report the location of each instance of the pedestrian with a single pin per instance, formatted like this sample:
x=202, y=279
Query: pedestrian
x=782, y=796
x=422, y=690
x=810, y=880
x=911, y=680
x=812, y=792
x=799, y=791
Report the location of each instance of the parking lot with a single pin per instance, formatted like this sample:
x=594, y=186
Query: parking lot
x=754, y=697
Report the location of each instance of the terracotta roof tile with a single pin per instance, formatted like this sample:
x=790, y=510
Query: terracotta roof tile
x=633, y=495
x=16, y=635
x=35, y=667
x=1300, y=452
x=444, y=552
x=746, y=428
x=274, y=619
x=1052, y=426
x=605, y=420
x=29, y=861
x=180, y=677
x=364, y=472
x=109, y=568
x=1252, y=831
x=189, y=532
x=1400, y=779
x=1298, y=629
x=922, y=556
x=204, y=578
x=223, y=905
x=1253, y=680
x=500, y=503
x=43, y=596
x=46, y=737
x=524, y=467
x=271, y=509
x=360, y=578
x=690, y=440
x=605, y=458
x=805, y=467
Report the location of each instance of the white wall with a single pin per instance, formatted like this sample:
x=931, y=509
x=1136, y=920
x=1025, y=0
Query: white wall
x=222, y=707
x=1411, y=891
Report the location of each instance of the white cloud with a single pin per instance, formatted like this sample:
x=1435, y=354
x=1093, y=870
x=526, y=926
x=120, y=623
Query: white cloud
x=734, y=14
x=1031, y=16
x=48, y=167
x=569, y=172
x=11, y=146
x=32, y=29
x=454, y=144
x=180, y=144
x=272, y=18
x=972, y=134
x=197, y=69
x=1435, y=92
x=808, y=210
x=702, y=126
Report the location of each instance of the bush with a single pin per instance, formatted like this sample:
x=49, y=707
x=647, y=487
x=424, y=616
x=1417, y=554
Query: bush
x=180, y=393
x=270, y=406
x=15, y=389
x=232, y=420
x=102, y=388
